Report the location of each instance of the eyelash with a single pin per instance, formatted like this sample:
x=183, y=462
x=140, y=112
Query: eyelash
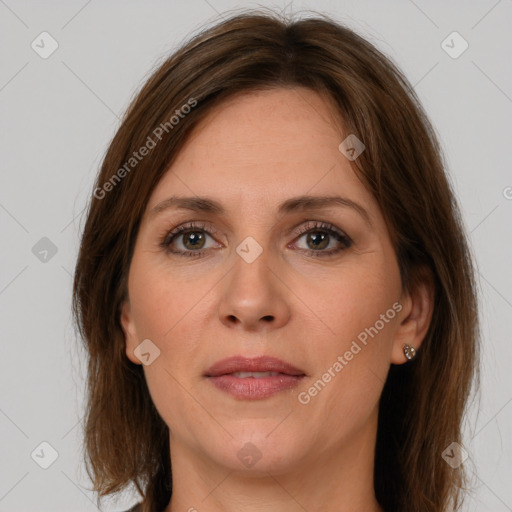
x=311, y=227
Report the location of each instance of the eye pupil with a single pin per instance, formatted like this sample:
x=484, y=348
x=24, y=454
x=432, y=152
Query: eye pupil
x=318, y=240
x=196, y=239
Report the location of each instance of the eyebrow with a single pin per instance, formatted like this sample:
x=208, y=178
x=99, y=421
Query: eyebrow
x=294, y=204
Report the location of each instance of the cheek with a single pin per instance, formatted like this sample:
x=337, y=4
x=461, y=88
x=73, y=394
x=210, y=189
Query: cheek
x=360, y=295
x=164, y=310
x=162, y=300
x=171, y=309
x=352, y=357
x=359, y=310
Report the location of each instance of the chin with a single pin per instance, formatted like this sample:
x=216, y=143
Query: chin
x=258, y=452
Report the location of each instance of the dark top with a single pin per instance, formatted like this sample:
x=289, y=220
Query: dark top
x=135, y=508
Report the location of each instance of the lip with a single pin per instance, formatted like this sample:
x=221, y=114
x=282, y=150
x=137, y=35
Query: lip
x=254, y=364
x=251, y=388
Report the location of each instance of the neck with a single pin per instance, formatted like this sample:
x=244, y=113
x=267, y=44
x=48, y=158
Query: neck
x=338, y=479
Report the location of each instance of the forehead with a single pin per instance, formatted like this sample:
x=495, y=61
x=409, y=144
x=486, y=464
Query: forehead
x=264, y=146
x=278, y=120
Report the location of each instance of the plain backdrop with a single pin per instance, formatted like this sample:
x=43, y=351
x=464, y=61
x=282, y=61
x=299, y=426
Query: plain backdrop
x=58, y=115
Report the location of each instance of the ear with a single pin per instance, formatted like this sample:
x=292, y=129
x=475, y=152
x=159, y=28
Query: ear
x=130, y=333
x=415, y=316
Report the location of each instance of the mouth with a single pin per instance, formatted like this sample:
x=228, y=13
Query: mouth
x=253, y=378
x=255, y=375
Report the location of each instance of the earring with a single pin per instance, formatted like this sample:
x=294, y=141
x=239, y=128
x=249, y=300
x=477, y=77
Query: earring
x=409, y=351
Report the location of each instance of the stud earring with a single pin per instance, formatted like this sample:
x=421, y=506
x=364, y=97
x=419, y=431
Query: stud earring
x=409, y=351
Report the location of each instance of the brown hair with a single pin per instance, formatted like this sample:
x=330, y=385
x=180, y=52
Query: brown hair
x=423, y=402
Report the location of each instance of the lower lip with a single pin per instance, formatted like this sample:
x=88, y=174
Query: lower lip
x=251, y=388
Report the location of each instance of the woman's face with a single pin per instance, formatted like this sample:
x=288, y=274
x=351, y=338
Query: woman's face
x=265, y=273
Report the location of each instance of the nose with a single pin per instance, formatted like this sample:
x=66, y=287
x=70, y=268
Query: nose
x=254, y=296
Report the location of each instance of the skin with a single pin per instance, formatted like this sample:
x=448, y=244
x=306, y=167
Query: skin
x=251, y=154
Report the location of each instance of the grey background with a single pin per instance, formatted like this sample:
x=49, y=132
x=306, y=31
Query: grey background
x=58, y=115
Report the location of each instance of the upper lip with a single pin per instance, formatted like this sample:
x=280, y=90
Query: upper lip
x=254, y=364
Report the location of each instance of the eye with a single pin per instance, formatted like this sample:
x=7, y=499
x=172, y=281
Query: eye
x=187, y=240
x=320, y=235
x=190, y=239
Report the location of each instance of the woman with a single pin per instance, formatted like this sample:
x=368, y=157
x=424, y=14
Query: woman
x=274, y=284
